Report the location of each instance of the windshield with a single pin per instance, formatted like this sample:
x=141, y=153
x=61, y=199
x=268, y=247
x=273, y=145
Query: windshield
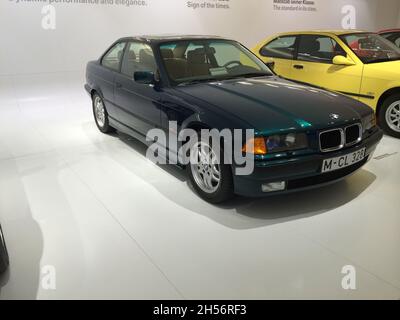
x=371, y=48
x=190, y=61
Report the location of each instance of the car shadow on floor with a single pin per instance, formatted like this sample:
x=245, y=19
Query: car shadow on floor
x=247, y=213
x=4, y=278
x=303, y=204
x=23, y=237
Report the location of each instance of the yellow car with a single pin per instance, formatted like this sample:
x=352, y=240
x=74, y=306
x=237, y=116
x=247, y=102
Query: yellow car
x=362, y=65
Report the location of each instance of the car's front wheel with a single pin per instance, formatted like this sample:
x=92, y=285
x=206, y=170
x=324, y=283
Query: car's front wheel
x=4, y=260
x=100, y=114
x=210, y=177
x=389, y=116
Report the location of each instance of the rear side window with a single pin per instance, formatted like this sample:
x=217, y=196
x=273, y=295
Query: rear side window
x=282, y=47
x=315, y=48
x=112, y=58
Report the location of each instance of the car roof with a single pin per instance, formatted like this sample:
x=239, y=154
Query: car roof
x=389, y=31
x=325, y=32
x=171, y=37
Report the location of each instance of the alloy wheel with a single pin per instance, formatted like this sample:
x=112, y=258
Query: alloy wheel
x=393, y=116
x=99, y=111
x=206, y=170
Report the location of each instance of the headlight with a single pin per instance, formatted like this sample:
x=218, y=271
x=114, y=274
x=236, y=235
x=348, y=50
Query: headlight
x=276, y=143
x=287, y=142
x=369, y=121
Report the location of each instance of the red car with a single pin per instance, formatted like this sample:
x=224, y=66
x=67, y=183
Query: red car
x=4, y=262
x=393, y=35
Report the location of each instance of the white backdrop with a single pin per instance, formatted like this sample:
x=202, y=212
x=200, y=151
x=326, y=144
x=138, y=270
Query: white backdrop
x=35, y=39
x=398, y=21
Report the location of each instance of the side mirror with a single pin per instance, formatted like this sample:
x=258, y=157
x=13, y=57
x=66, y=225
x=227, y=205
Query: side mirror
x=144, y=77
x=343, y=61
x=269, y=62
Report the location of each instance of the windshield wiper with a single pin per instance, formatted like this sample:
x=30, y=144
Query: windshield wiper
x=251, y=75
x=244, y=75
x=194, y=81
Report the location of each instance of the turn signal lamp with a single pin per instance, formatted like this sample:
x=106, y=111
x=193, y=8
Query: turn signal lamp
x=369, y=122
x=255, y=146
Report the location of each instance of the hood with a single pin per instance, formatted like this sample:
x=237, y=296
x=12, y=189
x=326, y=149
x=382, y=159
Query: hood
x=271, y=104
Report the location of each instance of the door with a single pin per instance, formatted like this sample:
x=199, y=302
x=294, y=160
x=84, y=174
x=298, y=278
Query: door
x=138, y=104
x=279, y=54
x=110, y=64
x=314, y=66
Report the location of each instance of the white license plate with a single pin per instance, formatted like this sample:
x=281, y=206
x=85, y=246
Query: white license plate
x=344, y=161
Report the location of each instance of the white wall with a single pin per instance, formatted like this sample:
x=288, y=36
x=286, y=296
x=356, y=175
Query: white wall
x=398, y=21
x=387, y=12
x=83, y=31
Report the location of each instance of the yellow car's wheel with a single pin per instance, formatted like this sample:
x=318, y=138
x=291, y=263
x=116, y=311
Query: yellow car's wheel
x=389, y=116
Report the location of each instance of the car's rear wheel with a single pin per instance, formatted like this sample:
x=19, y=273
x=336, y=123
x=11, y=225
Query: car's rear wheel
x=100, y=114
x=210, y=177
x=4, y=260
x=389, y=116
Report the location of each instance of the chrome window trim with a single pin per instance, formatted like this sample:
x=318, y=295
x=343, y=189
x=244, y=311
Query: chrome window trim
x=342, y=138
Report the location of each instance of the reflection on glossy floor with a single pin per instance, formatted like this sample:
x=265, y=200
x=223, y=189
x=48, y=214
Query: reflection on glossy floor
x=114, y=225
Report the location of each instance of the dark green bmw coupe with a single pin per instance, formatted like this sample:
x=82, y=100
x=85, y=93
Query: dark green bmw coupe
x=304, y=137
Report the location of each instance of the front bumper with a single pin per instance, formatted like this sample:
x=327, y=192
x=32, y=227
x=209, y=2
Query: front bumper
x=303, y=172
x=88, y=89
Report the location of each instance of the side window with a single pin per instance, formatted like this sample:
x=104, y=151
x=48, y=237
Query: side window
x=282, y=47
x=113, y=57
x=395, y=38
x=316, y=48
x=392, y=37
x=397, y=41
x=387, y=35
x=138, y=57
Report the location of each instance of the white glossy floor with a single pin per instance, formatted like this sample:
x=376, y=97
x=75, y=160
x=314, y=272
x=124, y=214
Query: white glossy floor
x=115, y=225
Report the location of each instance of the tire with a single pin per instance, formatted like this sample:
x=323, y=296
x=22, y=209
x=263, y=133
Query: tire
x=389, y=116
x=100, y=114
x=4, y=260
x=220, y=191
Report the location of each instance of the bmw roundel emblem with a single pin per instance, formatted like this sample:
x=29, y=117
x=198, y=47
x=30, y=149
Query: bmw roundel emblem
x=334, y=116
